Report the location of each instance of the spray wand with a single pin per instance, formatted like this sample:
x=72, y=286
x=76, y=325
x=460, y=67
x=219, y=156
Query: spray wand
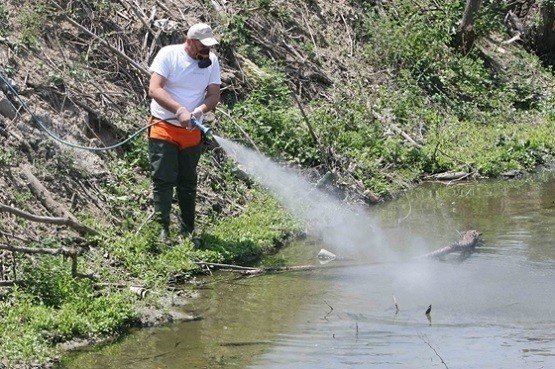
x=205, y=130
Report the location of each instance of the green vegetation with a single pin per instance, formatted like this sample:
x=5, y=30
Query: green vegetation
x=32, y=19
x=276, y=127
x=4, y=24
x=60, y=307
x=484, y=112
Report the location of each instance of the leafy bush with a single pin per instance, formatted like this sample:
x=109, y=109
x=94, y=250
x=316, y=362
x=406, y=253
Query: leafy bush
x=278, y=130
x=51, y=307
x=5, y=28
x=48, y=279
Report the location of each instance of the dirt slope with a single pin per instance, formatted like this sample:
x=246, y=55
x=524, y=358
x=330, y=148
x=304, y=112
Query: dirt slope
x=79, y=69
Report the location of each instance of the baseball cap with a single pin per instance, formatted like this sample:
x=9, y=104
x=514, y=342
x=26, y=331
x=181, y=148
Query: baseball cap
x=203, y=33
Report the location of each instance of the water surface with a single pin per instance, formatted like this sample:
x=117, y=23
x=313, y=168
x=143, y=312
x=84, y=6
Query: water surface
x=492, y=310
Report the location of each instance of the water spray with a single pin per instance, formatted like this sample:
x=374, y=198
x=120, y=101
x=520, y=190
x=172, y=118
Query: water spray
x=347, y=229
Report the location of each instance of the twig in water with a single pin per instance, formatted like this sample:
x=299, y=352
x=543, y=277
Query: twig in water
x=421, y=336
x=428, y=314
x=406, y=216
x=395, y=303
x=329, y=312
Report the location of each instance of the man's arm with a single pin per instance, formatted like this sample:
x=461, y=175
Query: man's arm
x=212, y=98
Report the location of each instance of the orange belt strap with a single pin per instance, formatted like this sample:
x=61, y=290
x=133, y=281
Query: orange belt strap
x=180, y=136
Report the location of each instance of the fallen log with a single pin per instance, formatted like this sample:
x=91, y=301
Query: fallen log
x=467, y=245
x=224, y=266
x=256, y=270
x=295, y=268
x=52, y=205
x=50, y=220
x=451, y=176
x=68, y=252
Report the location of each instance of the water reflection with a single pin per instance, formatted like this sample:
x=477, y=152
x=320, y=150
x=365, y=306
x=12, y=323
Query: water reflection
x=483, y=316
x=241, y=319
x=494, y=310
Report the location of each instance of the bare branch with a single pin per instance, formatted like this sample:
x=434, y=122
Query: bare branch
x=103, y=42
x=43, y=195
x=66, y=251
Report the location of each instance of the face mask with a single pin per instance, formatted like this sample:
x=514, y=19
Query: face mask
x=203, y=57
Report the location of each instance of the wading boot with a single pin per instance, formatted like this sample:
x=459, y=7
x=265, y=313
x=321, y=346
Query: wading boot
x=165, y=236
x=162, y=208
x=186, y=235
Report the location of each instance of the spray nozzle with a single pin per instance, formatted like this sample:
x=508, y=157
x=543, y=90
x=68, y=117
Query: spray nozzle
x=207, y=132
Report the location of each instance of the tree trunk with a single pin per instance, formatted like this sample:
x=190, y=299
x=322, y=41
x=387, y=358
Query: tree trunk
x=533, y=23
x=545, y=39
x=466, y=35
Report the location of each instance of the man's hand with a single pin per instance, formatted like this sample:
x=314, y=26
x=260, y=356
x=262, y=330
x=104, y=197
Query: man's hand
x=198, y=113
x=184, y=118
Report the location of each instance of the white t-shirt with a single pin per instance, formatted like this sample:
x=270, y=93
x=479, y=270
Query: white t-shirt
x=185, y=81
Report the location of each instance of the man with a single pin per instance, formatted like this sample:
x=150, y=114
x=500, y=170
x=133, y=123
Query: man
x=185, y=83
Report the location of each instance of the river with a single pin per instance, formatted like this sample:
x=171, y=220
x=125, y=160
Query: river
x=494, y=309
